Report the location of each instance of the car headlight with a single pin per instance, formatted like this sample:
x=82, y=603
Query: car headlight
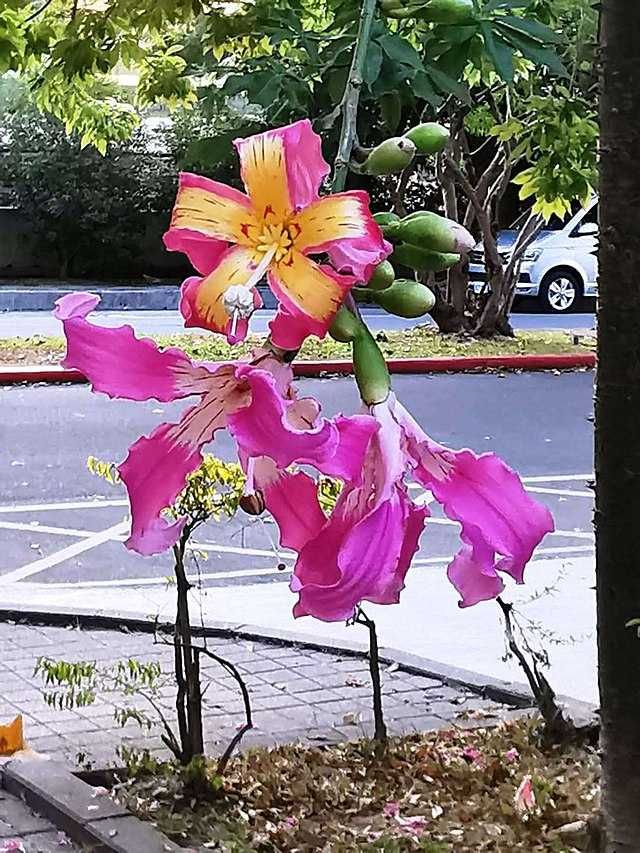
x=532, y=255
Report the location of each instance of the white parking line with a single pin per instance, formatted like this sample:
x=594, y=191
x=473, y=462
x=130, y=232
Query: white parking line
x=61, y=505
x=65, y=554
x=570, y=493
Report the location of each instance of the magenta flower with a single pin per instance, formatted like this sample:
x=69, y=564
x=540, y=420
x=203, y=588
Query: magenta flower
x=233, y=239
x=525, y=797
x=362, y=552
x=254, y=401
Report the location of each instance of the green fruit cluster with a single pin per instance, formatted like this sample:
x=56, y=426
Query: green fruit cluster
x=434, y=11
x=396, y=153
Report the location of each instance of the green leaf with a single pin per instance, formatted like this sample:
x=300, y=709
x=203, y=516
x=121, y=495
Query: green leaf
x=492, y=5
x=373, y=63
x=500, y=54
x=448, y=85
x=399, y=50
x=531, y=28
x=422, y=87
x=391, y=111
x=532, y=50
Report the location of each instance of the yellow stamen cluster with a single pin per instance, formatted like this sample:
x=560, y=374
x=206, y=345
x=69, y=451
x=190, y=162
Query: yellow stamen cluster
x=275, y=236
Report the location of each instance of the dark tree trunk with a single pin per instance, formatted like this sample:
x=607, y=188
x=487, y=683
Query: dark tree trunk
x=617, y=452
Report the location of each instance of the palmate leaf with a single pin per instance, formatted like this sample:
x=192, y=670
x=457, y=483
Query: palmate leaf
x=532, y=49
x=531, y=28
x=499, y=52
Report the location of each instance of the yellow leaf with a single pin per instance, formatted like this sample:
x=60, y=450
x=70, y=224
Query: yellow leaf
x=11, y=737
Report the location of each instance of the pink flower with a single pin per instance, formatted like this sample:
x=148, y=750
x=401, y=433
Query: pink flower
x=253, y=400
x=391, y=809
x=234, y=239
x=12, y=844
x=363, y=551
x=471, y=754
x=511, y=755
x=525, y=797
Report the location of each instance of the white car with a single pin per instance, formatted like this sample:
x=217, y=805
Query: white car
x=560, y=267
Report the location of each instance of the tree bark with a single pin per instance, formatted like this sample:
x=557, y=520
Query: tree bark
x=617, y=451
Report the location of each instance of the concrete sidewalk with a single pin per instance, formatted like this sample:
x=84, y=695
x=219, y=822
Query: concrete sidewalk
x=557, y=605
x=297, y=694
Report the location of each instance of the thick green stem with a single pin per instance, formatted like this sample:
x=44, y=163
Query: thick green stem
x=351, y=96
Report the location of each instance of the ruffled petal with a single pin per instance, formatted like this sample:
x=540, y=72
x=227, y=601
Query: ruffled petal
x=288, y=331
x=483, y=494
x=263, y=428
x=202, y=299
x=203, y=252
x=292, y=499
x=473, y=574
x=157, y=466
x=343, y=226
x=348, y=564
x=309, y=292
x=205, y=208
x=282, y=169
x=119, y=364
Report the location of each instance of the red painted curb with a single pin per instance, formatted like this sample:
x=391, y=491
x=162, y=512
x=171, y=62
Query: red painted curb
x=52, y=373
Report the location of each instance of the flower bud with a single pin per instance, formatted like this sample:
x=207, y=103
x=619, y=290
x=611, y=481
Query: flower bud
x=429, y=137
x=385, y=217
x=391, y=156
x=447, y=11
x=405, y=298
x=253, y=504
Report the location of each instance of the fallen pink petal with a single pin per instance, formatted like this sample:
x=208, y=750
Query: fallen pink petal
x=525, y=798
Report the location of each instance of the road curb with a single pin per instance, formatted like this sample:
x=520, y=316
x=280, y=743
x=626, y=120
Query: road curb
x=496, y=689
x=71, y=805
x=53, y=373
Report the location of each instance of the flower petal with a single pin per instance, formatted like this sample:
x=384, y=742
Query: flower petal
x=347, y=564
x=482, y=493
x=309, y=292
x=202, y=299
x=206, y=208
x=203, y=252
x=292, y=499
x=473, y=574
x=282, y=169
x=263, y=428
x=334, y=224
x=119, y=364
x=156, y=468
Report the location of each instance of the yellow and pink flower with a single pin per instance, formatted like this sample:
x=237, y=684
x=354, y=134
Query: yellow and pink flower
x=312, y=249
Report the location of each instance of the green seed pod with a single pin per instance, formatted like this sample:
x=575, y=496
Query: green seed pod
x=383, y=276
x=423, y=260
x=386, y=217
x=370, y=369
x=436, y=233
x=345, y=327
x=447, y=11
x=405, y=298
x=429, y=137
x=391, y=156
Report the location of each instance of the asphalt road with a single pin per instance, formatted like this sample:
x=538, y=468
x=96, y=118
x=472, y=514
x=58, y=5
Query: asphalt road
x=61, y=525
x=16, y=324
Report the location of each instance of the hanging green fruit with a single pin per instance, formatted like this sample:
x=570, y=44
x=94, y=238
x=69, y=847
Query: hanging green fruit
x=405, y=298
x=386, y=217
x=391, y=156
x=423, y=260
x=370, y=369
x=429, y=137
x=383, y=276
x=433, y=232
x=434, y=11
x=345, y=326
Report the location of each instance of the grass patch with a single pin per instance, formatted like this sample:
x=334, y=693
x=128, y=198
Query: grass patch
x=442, y=792
x=413, y=343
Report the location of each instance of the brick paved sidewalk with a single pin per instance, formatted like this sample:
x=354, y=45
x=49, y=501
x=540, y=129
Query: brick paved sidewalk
x=298, y=694
x=25, y=832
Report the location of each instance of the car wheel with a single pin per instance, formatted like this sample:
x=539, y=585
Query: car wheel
x=560, y=291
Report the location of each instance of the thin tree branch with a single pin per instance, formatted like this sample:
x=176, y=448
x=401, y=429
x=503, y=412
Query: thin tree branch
x=380, y=729
x=39, y=11
x=351, y=96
